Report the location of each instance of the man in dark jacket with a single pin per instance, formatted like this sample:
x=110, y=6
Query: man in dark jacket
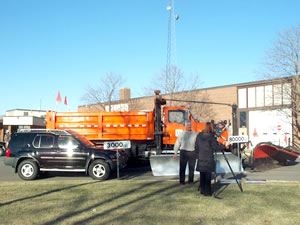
x=205, y=147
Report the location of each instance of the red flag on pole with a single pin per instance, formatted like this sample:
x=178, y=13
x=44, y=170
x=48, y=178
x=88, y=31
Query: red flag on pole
x=58, y=98
x=66, y=103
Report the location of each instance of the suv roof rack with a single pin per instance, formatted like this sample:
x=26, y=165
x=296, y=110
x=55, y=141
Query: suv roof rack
x=59, y=132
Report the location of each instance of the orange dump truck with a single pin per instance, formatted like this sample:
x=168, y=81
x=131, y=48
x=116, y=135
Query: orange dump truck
x=148, y=131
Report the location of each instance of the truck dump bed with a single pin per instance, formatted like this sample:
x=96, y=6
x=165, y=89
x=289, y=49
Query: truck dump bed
x=105, y=126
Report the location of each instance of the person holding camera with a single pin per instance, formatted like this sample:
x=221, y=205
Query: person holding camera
x=205, y=147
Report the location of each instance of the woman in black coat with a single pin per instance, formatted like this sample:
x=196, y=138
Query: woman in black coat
x=206, y=145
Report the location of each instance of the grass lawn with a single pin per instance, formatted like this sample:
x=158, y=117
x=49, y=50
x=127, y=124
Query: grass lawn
x=146, y=202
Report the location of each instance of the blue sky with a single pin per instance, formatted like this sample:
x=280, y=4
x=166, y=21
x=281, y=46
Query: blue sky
x=48, y=46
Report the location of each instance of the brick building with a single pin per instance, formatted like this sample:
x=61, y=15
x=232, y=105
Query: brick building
x=223, y=94
x=263, y=108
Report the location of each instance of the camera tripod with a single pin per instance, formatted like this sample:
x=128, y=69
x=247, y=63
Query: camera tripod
x=231, y=170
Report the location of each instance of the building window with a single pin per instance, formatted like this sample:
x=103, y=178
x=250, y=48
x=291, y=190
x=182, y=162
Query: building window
x=117, y=108
x=23, y=127
x=243, y=119
x=277, y=94
x=242, y=98
x=286, y=93
x=251, y=97
x=260, y=98
x=268, y=95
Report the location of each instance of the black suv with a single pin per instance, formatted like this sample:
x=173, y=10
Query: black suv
x=33, y=151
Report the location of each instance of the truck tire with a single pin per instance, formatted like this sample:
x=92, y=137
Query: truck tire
x=99, y=170
x=28, y=170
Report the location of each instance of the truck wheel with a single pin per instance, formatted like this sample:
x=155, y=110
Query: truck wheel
x=28, y=170
x=99, y=170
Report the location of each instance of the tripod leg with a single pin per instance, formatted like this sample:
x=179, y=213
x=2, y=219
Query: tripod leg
x=215, y=183
x=238, y=183
x=215, y=175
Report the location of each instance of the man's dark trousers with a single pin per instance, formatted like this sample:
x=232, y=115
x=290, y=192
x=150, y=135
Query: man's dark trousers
x=187, y=157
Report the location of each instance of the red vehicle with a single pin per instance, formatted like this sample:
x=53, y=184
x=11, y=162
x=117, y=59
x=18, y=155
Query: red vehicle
x=266, y=153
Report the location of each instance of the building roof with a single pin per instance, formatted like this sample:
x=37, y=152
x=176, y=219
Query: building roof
x=35, y=110
x=208, y=88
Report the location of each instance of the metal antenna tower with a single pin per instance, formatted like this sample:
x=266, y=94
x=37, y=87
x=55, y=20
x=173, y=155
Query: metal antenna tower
x=171, y=48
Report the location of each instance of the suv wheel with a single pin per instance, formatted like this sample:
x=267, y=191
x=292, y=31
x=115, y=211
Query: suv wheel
x=99, y=170
x=28, y=170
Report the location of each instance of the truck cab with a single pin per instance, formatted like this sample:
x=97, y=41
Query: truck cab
x=174, y=119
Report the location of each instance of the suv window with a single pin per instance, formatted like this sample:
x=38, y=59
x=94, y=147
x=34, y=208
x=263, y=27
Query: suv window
x=67, y=142
x=20, y=140
x=82, y=138
x=43, y=141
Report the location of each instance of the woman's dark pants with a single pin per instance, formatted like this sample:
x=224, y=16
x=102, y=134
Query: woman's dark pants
x=205, y=183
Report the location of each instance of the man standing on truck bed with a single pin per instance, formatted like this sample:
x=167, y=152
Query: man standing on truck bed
x=186, y=144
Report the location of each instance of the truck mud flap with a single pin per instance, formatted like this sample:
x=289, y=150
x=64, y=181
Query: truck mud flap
x=165, y=165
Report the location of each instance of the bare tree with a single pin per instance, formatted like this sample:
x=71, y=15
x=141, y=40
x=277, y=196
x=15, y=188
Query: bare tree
x=175, y=85
x=173, y=81
x=103, y=94
x=202, y=111
x=283, y=61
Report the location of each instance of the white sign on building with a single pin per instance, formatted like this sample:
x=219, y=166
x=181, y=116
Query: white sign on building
x=271, y=126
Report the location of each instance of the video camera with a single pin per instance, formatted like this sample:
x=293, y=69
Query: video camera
x=218, y=127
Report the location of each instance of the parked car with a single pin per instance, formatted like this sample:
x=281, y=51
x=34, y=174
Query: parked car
x=30, y=152
x=2, y=148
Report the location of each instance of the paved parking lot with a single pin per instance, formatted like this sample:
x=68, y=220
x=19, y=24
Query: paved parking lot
x=286, y=173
